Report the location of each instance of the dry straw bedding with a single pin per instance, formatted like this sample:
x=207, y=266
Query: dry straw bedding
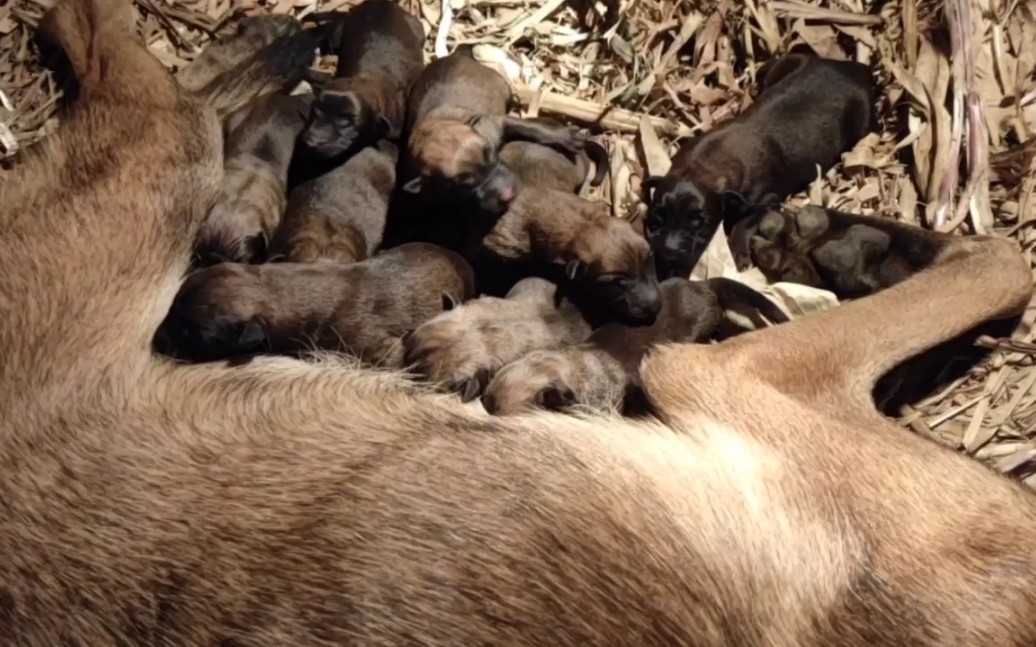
x=957, y=149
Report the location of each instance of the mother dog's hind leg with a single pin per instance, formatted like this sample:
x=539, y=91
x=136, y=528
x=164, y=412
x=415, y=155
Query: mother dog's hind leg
x=830, y=362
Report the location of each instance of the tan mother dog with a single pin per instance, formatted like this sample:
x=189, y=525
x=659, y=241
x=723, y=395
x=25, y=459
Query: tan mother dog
x=289, y=503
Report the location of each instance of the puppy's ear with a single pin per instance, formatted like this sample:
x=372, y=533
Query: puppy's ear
x=573, y=269
x=555, y=397
x=448, y=302
x=413, y=187
x=489, y=128
x=252, y=336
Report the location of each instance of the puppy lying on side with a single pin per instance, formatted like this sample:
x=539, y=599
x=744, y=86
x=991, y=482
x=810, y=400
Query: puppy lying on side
x=603, y=373
x=603, y=266
x=456, y=122
x=465, y=346
x=550, y=168
x=258, y=151
x=253, y=33
x=362, y=309
x=809, y=112
x=339, y=216
x=379, y=56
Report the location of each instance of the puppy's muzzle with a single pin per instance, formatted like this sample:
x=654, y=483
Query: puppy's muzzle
x=496, y=192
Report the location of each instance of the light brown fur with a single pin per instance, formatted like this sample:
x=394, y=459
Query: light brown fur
x=292, y=503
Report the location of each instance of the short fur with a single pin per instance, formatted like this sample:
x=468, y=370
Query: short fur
x=379, y=56
x=602, y=264
x=285, y=502
x=549, y=168
x=258, y=151
x=231, y=309
x=810, y=110
x=339, y=216
x=464, y=347
x=602, y=374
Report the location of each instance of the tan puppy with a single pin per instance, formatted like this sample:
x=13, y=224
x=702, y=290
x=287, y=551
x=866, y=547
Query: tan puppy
x=550, y=168
x=250, y=35
x=258, y=152
x=603, y=374
x=604, y=266
x=286, y=502
x=232, y=309
x=462, y=348
x=339, y=216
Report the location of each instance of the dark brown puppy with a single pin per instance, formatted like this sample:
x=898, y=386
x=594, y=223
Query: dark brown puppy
x=850, y=255
x=602, y=265
x=603, y=374
x=456, y=122
x=339, y=216
x=233, y=309
x=809, y=112
x=252, y=34
x=258, y=150
x=549, y=168
x=464, y=347
x=379, y=56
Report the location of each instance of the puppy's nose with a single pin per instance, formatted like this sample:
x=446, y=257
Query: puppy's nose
x=507, y=194
x=489, y=403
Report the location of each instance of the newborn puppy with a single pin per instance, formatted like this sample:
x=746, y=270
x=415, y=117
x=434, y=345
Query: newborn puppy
x=462, y=348
x=603, y=373
x=549, y=168
x=258, y=150
x=339, y=216
x=850, y=255
x=379, y=56
x=456, y=122
x=604, y=267
x=362, y=309
x=253, y=33
x=809, y=112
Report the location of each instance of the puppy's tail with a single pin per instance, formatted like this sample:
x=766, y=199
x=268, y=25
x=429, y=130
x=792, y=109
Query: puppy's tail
x=599, y=156
x=731, y=293
x=277, y=66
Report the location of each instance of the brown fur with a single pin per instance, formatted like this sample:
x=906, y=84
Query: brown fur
x=549, y=168
x=251, y=34
x=464, y=347
x=339, y=216
x=602, y=374
x=258, y=151
x=284, y=502
x=603, y=265
x=232, y=309
x=379, y=56
x=809, y=112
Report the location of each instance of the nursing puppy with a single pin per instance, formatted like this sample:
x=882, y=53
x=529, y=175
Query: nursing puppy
x=252, y=34
x=258, y=151
x=602, y=265
x=231, y=309
x=809, y=112
x=456, y=122
x=462, y=348
x=550, y=168
x=339, y=216
x=603, y=373
x=379, y=56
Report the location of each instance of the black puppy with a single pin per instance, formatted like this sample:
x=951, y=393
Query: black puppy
x=809, y=112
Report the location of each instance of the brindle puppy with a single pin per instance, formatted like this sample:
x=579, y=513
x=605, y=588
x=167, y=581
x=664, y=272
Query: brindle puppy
x=601, y=263
x=462, y=348
x=252, y=34
x=379, y=56
x=258, y=152
x=456, y=122
x=549, y=168
x=339, y=216
x=232, y=309
x=809, y=112
x=603, y=373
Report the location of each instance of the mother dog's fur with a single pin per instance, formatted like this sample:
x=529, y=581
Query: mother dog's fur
x=291, y=503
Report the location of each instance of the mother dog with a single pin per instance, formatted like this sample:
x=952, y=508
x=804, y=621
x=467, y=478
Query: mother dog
x=284, y=503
